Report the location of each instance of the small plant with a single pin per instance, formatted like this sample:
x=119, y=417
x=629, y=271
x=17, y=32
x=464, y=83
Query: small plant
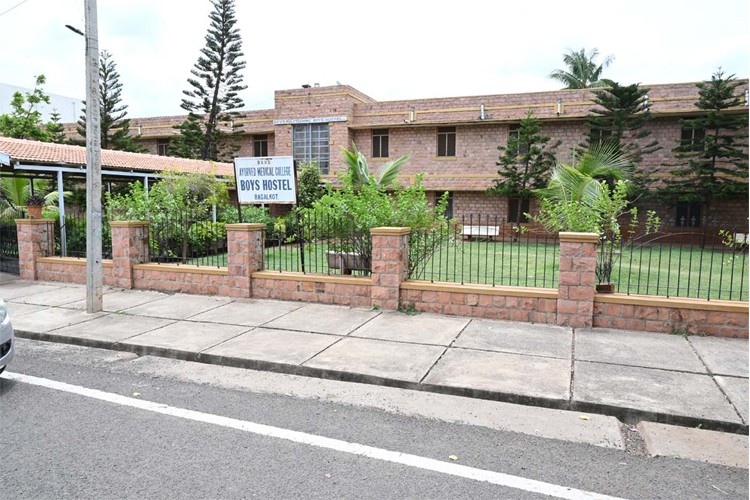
x=408, y=309
x=35, y=201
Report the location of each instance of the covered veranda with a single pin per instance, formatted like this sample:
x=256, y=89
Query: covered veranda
x=57, y=163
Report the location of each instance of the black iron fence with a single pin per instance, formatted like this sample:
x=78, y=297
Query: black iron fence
x=480, y=249
x=686, y=258
x=70, y=236
x=189, y=237
x=8, y=246
x=318, y=244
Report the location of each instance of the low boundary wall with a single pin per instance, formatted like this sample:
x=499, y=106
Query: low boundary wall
x=574, y=303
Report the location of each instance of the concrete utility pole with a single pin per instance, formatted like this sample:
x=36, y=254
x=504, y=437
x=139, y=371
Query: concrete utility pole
x=93, y=166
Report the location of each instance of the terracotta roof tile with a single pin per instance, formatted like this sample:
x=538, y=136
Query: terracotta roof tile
x=63, y=154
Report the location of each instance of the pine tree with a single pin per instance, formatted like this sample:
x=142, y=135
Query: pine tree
x=524, y=163
x=189, y=144
x=55, y=128
x=115, y=127
x=714, y=160
x=214, y=87
x=621, y=120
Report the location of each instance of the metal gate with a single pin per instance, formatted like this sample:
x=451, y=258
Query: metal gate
x=8, y=247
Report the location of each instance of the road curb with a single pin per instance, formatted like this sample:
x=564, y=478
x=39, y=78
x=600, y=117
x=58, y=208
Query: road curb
x=624, y=414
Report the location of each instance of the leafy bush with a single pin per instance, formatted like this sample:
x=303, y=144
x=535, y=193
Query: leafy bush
x=347, y=215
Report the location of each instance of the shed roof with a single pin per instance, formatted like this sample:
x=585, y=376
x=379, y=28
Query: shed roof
x=47, y=153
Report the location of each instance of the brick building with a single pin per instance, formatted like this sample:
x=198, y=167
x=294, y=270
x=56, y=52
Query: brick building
x=453, y=141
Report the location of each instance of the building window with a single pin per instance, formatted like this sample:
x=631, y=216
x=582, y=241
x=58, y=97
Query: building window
x=162, y=147
x=311, y=142
x=515, y=133
x=380, y=143
x=260, y=145
x=517, y=209
x=688, y=214
x=691, y=139
x=446, y=141
x=600, y=135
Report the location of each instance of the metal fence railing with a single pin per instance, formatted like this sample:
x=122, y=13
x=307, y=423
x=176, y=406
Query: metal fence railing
x=697, y=259
x=8, y=246
x=70, y=236
x=318, y=245
x=190, y=238
x=481, y=249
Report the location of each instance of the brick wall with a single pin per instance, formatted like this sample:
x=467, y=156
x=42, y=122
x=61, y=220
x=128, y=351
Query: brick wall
x=71, y=270
x=671, y=316
x=573, y=303
x=354, y=292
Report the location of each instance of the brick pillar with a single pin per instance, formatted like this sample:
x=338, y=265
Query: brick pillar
x=390, y=264
x=245, y=250
x=129, y=247
x=577, y=279
x=36, y=238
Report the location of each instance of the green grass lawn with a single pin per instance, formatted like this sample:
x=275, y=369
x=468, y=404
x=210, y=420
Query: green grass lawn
x=663, y=270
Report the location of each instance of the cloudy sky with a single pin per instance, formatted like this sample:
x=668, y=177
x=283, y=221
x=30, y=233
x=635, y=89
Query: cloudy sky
x=388, y=49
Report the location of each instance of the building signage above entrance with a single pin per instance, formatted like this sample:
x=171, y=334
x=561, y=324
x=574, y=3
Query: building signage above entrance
x=300, y=121
x=265, y=180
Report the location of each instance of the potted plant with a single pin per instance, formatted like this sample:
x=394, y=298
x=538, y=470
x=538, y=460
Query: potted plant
x=34, y=204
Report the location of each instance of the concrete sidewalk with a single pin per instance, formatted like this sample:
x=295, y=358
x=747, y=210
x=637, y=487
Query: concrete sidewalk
x=631, y=375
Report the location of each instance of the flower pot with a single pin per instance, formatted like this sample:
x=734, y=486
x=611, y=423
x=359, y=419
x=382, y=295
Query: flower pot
x=605, y=288
x=34, y=211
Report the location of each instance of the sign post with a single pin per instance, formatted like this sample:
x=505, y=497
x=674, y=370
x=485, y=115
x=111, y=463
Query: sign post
x=265, y=180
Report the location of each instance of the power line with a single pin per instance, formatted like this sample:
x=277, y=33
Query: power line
x=16, y=5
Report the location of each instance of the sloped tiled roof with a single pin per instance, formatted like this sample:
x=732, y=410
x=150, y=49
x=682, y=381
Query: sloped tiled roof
x=48, y=153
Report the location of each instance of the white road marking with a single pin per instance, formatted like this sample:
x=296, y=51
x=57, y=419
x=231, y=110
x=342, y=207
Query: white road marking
x=416, y=461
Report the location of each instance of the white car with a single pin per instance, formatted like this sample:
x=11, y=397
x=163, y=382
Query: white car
x=6, y=337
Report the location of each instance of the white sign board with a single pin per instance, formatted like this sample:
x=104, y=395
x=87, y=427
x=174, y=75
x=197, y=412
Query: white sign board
x=265, y=180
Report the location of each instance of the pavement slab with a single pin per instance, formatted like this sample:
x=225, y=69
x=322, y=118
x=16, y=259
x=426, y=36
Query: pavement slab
x=417, y=328
x=279, y=346
x=517, y=338
x=644, y=349
x=723, y=356
x=51, y=319
x=7, y=278
x=117, y=300
x=318, y=318
x=16, y=290
x=531, y=376
x=695, y=444
x=248, y=312
x=56, y=297
x=177, y=306
x=186, y=336
x=113, y=327
x=19, y=309
x=736, y=390
x=392, y=360
x=646, y=389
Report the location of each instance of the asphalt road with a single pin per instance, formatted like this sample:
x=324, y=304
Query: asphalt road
x=200, y=440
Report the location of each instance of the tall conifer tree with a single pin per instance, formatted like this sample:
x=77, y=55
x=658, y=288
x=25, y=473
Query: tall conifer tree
x=115, y=127
x=524, y=165
x=714, y=151
x=621, y=120
x=213, y=95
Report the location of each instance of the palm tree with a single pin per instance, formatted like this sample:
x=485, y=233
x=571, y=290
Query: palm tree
x=360, y=170
x=582, y=72
x=587, y=177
